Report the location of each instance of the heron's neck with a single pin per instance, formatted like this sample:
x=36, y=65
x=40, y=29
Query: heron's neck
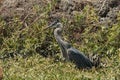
x=58, y=33
x=58, y=37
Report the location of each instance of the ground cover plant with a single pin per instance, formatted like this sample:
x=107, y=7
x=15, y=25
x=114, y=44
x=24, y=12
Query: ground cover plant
x=28, y=52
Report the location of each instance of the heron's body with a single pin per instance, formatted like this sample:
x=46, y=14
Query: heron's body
x=70, y=53
x=79, y=58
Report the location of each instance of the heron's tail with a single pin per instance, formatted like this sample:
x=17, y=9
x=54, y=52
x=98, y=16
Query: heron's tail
x=95, y=60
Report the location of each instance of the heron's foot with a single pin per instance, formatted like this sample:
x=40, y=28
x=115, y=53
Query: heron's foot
x=59, y=60
x=63, y=60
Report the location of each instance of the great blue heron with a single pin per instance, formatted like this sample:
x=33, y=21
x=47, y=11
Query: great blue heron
x=69, y=52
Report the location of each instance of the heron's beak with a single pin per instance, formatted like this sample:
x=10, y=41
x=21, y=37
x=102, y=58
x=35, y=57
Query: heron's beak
x=51, y=25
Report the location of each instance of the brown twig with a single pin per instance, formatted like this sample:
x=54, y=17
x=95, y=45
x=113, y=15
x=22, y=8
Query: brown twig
x=1, y=74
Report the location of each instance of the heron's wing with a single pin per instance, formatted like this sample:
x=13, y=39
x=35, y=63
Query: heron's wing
x=79, y=58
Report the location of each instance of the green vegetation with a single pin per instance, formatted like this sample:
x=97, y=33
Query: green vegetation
x=23, y=36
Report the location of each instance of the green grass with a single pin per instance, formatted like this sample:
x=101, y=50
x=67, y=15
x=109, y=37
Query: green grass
x=94, y=38
x=38, y=68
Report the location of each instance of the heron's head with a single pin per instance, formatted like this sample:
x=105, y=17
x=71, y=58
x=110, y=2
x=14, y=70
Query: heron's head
x=55, y=24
